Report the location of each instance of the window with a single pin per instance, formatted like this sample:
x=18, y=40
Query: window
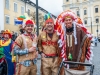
x=67, y=0
x=78, y=13
x=15, y=7
x=15, y=21
x=28, y=11
x=22, y=10
x=7, y=20
x=7, y=4
x=97, y=20
x=96, y=10
x=85, y=12
x=85, y=21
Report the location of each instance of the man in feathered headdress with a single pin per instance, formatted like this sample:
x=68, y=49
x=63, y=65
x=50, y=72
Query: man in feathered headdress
x=74, y=38
x=48, y=47
x=25, y=50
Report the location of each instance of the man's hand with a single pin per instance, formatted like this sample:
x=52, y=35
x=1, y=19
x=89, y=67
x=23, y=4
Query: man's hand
x=43, y=55
x=32, y=49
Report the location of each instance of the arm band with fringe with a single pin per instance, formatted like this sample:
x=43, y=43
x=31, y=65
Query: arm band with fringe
x=18, y=51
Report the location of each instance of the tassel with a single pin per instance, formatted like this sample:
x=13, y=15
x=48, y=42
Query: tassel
x=75, y=33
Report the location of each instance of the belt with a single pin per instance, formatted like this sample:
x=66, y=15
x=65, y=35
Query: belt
x=51, y=56
x=49, y=43
x=28, y=62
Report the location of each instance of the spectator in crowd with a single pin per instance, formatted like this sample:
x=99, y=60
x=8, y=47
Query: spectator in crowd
x=13, y=36
x=95, y=40
x=99, y=38
x=22, y=31
x=1, y=35
x=16, y=34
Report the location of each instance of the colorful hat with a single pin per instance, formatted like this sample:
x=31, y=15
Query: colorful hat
x=48, y=18
x=61, y=30
x=24, y=20
x=20, y=20
x=8, y=32
x=27, y=22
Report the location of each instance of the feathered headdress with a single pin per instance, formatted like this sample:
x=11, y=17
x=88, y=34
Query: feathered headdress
x=61, y=30
x=48, y=18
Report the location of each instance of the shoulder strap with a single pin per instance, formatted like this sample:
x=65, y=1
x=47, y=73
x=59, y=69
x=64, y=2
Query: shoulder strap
x=24, y=41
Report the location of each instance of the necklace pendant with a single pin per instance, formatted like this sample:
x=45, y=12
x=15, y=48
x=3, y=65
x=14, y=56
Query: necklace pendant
x=70, y=56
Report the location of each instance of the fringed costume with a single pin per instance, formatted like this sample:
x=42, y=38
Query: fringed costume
x=26, y=61
x=48, y=45
x=74, y=41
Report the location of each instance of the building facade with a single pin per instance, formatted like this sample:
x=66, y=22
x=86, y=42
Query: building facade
x=11, y=9
x=2, y=15
x=88, y=11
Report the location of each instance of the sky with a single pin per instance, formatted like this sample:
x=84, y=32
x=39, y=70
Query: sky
x=53, y=6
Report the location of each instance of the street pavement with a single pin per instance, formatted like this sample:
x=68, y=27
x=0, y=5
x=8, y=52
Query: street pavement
x=39, y=65
x=95, y=61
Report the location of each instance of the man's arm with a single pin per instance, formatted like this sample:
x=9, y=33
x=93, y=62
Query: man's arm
x=18, y=51
x=17, y=46
x=39, y=45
